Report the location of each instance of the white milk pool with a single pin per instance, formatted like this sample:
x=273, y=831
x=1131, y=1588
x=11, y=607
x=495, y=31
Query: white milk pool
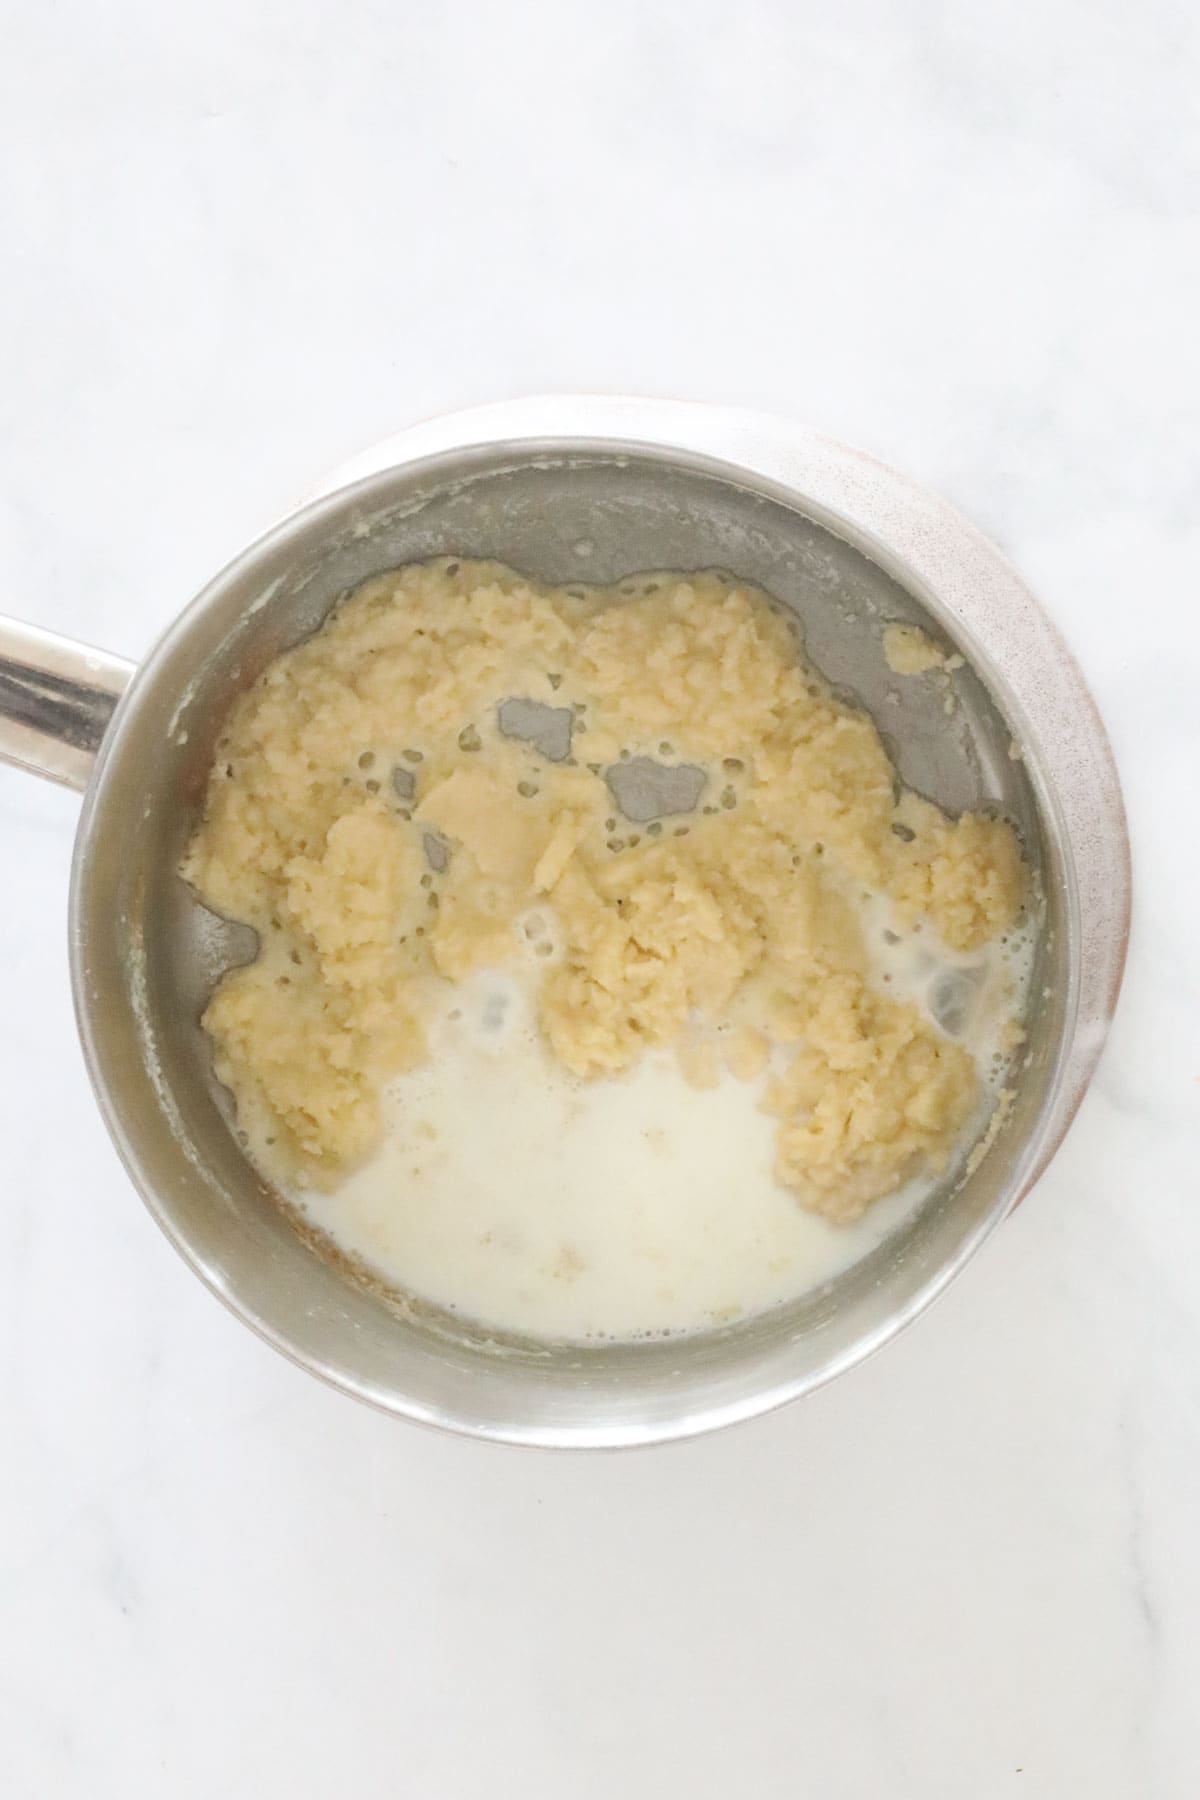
x=508, y=1191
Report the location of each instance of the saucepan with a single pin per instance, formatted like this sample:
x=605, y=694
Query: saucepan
x=570, y=488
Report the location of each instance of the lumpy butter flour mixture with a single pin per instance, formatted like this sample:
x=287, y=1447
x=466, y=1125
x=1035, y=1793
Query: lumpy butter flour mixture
x=566, y=897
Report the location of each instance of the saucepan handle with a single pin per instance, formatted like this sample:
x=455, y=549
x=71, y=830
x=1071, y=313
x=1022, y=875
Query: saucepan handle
x=56, y=699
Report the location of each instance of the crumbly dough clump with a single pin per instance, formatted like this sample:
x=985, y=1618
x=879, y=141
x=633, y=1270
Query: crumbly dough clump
x=910, y=651
x=369, y=814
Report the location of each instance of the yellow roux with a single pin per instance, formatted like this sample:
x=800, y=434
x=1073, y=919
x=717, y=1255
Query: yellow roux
x=564, y=1070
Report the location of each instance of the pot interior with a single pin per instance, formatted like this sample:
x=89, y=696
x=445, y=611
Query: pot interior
x=147, y=955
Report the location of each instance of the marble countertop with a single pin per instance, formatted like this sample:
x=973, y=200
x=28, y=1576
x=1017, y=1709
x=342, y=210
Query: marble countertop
x=241, y=242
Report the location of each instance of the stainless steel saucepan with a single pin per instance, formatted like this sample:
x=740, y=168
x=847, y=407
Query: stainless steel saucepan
x=569, y=488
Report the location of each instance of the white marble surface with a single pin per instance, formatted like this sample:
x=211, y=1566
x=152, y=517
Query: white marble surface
x=239, y=242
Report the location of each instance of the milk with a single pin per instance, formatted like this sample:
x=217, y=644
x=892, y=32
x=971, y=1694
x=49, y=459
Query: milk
x=510, y=1192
